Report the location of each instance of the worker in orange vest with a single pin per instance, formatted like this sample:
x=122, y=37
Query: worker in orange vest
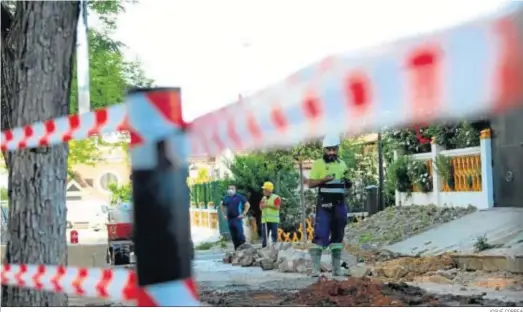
x=270, y=207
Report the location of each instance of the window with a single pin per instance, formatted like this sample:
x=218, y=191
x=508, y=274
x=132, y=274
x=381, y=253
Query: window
x=107, y=179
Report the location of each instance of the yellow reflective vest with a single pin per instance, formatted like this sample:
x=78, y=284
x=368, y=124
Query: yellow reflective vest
x=270, y=214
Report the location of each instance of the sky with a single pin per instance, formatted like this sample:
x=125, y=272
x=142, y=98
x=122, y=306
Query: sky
x=215, y=50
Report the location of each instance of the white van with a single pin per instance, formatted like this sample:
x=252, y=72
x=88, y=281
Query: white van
x=87, y=214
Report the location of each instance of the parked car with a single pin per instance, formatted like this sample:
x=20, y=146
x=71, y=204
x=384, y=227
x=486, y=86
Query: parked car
x=87, y=214
x=120, y=245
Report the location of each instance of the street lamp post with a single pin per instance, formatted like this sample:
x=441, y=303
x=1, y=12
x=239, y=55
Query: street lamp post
x=302, y=206
x=298, y=158
x=82, y=61
x=380, y=172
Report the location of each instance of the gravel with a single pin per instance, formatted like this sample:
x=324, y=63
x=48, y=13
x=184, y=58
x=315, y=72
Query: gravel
x=398, y=223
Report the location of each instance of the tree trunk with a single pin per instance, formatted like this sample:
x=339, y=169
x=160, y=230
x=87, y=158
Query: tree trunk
x=37, y=50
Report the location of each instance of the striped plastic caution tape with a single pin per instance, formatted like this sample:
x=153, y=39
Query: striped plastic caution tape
x=472, y=69
x=64, y=129
x=116, y=284
x=112, y=283
x=105, y=120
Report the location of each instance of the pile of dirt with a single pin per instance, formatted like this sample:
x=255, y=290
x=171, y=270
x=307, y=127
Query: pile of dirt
x=408, y=268
x=398, y=223
x=354, y=292
x=362, y=292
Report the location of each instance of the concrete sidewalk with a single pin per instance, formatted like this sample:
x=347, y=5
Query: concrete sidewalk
x=503, y=226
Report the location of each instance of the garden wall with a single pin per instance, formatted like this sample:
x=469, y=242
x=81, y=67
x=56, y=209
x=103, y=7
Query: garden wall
x=471, y=177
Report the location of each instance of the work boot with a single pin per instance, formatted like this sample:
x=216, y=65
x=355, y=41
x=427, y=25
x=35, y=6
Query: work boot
x=316, y=259
x=336, y=262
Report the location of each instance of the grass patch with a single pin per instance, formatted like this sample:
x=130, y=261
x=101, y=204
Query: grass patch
x=222, y=243
x=366, y=238
x=482, y=244
x=204, y=246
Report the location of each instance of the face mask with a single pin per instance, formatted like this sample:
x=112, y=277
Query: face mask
x=330, y=158
x=231, y=192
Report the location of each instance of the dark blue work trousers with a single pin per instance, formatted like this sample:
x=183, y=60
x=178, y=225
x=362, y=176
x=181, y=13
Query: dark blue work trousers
x=329, y=225
x=272, y=228
x=236, y=230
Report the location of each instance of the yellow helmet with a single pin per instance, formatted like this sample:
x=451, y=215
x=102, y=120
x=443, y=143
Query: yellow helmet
x=268, y=186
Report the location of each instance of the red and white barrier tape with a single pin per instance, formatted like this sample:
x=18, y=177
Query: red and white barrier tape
x=463, y=72
x=64, y=129
x=472, y=69
x=113, y=283
x=468, y=70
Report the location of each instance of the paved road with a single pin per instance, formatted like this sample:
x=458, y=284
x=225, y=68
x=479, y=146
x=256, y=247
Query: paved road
x=212, y=273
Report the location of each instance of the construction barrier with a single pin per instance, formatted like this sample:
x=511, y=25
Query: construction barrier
x=294, y=237
x=472, y=69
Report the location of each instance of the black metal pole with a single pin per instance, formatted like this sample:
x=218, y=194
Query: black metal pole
x=380, y=173
x=162, y=235
x=302, y=205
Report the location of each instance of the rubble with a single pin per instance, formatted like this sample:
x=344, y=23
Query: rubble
x=282, y=257
x=360, y=271
x=398, y=223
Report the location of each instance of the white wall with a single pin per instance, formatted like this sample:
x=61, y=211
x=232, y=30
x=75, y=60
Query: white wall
x=482, y=199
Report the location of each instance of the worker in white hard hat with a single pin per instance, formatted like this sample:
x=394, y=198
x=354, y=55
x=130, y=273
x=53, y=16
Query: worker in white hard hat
x=328, y=174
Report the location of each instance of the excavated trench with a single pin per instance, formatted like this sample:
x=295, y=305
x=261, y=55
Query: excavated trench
x=355, y=292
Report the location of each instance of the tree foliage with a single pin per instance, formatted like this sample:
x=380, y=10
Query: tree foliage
x=120, y=193
x=110, y=76
x=280, y=167
x=417, y=139
x=3, y=193
x=251, y=171
x=403, y=172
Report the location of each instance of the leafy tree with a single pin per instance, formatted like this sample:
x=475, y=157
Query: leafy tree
x=120, y=194
x=251, y=171
x=3, y=193
x=202, y=176
x=83, y=152
x=110, y=76
x=38, y=41
x=279, y=166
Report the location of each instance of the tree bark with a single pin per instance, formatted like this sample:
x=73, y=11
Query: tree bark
x=37, y=55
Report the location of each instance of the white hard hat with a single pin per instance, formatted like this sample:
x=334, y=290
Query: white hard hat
x=331, y=140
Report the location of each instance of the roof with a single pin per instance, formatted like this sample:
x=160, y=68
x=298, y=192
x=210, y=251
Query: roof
x=77, y=178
